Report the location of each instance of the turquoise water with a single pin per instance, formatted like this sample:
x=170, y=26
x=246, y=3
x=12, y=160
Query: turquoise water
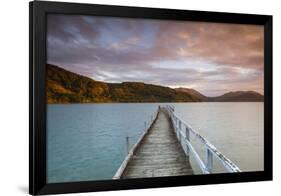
x=88, y=141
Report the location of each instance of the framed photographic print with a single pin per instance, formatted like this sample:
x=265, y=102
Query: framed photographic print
x=128, y=98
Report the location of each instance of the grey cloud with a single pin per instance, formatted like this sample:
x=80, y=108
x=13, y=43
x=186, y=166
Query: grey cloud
x=75, y=43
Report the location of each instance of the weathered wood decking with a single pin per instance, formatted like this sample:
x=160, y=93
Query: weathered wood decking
x=159, y=152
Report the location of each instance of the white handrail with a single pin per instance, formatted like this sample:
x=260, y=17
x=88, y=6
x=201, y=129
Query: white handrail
x=184, y=139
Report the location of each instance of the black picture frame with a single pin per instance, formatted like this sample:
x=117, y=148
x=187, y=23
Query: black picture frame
x=38, y=11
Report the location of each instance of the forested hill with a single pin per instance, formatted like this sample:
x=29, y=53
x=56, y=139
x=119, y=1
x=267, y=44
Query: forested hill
x=67, y=87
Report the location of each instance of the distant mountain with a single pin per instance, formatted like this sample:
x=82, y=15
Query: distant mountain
x=238, y=96
x=67, y=87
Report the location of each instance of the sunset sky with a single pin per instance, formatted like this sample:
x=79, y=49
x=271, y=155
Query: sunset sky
x=209, y=57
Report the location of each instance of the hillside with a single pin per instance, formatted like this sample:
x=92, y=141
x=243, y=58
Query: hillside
x=67, y=87
x=193, y=92
x=238, y=96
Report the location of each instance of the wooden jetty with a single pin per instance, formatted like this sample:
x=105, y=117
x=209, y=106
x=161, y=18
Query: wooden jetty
x=164, y=149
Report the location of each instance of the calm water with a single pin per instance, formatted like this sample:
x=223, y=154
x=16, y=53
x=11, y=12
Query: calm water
x=87, y=141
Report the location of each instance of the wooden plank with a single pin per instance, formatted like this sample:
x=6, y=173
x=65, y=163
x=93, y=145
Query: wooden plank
x=159, y=153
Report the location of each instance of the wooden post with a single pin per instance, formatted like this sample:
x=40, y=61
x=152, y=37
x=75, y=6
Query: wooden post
x=187, y=136
x=179, y=136
x=127, y=144
x=209, y=160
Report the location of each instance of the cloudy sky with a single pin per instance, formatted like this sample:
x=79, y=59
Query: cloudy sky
x=209, y=57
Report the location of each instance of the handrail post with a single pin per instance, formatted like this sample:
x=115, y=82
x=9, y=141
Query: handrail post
x=127, y=144
x=187, y=136
x=179, y=131
x=209, y=160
